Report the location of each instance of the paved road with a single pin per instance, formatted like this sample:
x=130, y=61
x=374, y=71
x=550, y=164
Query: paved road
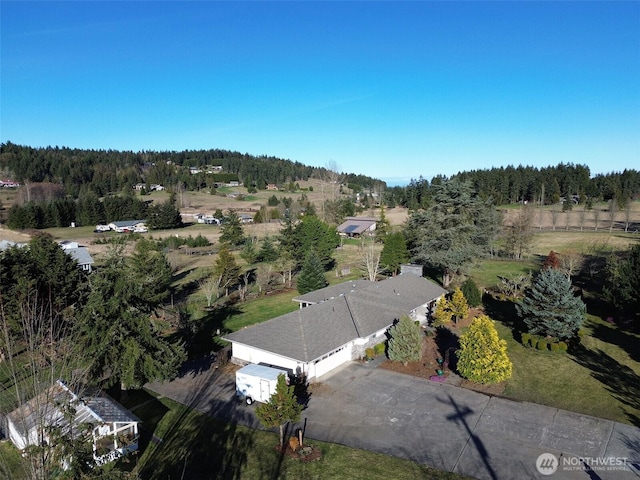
x=444, y=426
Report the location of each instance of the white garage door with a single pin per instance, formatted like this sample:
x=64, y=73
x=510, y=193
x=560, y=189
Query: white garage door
x=332, y=361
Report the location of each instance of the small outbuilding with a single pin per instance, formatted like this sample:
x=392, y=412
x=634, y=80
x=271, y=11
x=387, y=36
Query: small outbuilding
x=357, y=226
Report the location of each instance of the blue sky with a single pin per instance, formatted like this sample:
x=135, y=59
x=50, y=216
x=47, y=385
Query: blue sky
x=393, y=90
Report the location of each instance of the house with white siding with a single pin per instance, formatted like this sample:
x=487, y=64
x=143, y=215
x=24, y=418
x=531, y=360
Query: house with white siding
x=113, y=429
x=335, y=325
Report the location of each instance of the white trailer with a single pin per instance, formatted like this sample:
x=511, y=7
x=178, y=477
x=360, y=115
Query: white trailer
x=256, y=383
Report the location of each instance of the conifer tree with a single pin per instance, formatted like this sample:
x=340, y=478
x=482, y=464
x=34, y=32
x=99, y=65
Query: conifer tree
x=282, y=408
x=459, y=305
x=231, y=230
x=549, y=307
x=312, y=274
x=394, y=253
x=405, y=342
x=471, y=292
x=443, y=313
x=482, y=357
x=226, y=270
x=268, y=252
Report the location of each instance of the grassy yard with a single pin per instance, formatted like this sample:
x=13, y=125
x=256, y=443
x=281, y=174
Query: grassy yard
x=178, y=442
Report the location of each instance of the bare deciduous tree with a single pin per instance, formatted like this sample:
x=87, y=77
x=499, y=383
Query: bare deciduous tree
x=371, y=260
x=596, y=218
x=570, y=263
x=210, y=287
x=555, y=213
x=613, y=208
x=264, y=275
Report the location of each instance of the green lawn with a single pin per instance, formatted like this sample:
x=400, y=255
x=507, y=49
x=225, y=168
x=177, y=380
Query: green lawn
x=188, y=444
x=486, y=274
x=600, y=377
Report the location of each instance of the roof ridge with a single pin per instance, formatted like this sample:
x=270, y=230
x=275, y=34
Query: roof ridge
x=353, y=320
x=304, y=338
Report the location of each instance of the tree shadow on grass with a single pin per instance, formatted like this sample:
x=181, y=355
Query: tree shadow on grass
x=613, y=335
x=192, y=445
x=621, y=381
x=505, y=312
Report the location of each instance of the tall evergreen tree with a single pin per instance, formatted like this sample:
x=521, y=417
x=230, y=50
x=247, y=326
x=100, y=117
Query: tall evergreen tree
x=482, y=356
x=313, y=234
x=550, y=308
x=405, y=341
x=226, y=270
x=394, y=253
x=232, y=232
x=165, y=215
x=456, y=230
x=622, y=282
x=268, y=252
x=118, y=334
x=311, y=276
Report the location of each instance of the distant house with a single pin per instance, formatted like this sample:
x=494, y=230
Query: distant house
x=124, y=226
x=357, y=226
x=5, y=244
x=114, y=431
x=79, y=254
x=272, y=186
x=335, y=325
x=245, y=218
x=6, y=183
x=207, y=219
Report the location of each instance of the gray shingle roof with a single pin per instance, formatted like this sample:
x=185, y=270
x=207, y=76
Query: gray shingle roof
x=332, y=291
x=311, y=332
x=46, y=409
x=81, y=255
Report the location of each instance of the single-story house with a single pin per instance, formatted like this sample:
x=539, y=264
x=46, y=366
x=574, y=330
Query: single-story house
x=207, y=219
x=336, y=325
x=357, y=226
x=79, y=254
x=123, y=226
x=114, y=430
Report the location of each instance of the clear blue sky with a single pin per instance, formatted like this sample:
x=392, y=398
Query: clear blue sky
x=393, y=90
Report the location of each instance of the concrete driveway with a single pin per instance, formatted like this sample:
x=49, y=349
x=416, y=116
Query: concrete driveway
x=444, y=426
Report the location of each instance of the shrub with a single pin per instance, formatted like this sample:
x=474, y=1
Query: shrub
x=471, y=293
x=554, y=347
x=482, y=356
x=526, y=338
x=294, y=444
x=379, y=349
x=370, y=352
x=533, y=341
x=543, y=345
x=563, y=346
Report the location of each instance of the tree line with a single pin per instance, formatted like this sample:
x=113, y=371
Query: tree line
x=526, y=184
x=106, y=171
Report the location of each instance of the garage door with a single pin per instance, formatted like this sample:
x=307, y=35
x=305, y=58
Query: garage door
x=332, y=361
